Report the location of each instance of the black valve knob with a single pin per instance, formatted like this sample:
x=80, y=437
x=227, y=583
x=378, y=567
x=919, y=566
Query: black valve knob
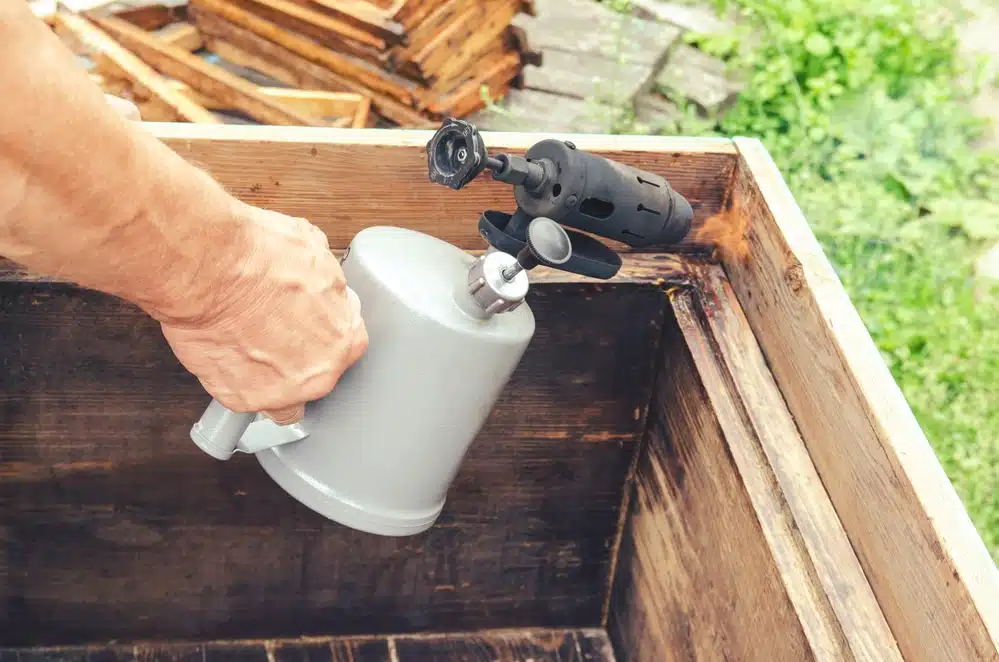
x=456, y=154
x=547, y=244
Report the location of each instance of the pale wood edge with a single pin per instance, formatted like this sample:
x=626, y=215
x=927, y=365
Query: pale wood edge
x=809, y=542
x=419, y=137
x=901, y=438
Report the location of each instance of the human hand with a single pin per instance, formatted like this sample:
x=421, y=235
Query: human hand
x=284, y=326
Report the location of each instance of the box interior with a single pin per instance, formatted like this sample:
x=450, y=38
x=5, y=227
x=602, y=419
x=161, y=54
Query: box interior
x=653, y=479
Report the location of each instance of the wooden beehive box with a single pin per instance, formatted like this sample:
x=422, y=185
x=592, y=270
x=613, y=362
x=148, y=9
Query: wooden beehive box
x=703, y=459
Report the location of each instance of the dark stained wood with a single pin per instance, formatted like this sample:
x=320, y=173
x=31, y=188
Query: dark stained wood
x=527, y=645
x=183, y=652
x=658, y=268
x=115, y=526
x=694, y=569
x=512, y=646
x=336, y=650
x=236, y=652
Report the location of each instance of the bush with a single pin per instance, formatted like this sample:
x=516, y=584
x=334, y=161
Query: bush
x=863, y=108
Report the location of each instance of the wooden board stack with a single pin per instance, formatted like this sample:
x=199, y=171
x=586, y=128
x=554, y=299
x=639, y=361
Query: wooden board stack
x=406, y=63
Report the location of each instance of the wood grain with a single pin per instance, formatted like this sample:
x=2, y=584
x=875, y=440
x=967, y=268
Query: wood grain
x=525, y=645
x=661, y=269
x=316, y=103
x=710, y=566
x=238, y=44
x=359, y=71
x=128, y=65
x=823, y=570
x=511, y=646
x=319, y=26
x=348, y=179
x=114, y=526
x=181, y=35
x=492, y=73
x=363, y=15
x=152, y=16
x=925, y=561
x=203, y=76
x=456, y=46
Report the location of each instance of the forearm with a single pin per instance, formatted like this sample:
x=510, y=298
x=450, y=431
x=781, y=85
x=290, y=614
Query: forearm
x=91, y=197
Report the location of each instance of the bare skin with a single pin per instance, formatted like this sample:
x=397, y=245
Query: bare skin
x=90, y=196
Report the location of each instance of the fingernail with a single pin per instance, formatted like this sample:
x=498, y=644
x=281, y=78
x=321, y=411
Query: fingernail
x=286, y=416
x=355, y=306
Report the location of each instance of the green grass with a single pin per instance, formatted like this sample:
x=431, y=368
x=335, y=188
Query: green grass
x=862, y=109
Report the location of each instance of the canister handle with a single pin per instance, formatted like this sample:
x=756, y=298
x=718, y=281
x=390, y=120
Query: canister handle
x=220, y=432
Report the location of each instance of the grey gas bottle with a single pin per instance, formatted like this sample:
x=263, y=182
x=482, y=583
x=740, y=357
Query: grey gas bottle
x=446, y=331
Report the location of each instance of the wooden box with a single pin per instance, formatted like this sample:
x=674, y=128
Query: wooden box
x=702, y=459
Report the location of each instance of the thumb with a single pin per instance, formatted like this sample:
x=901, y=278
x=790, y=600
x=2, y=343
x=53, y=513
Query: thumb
x=355, y=307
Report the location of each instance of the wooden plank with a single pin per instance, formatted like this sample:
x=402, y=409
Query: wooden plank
x=152, y=16
x=243, y=47
x=362, y=15
x=511, y=646
x=414, y=13
x=318, y=26
x=278, y=167
x=462, y=38
x=135, y=69
x=523, y=645
x=181, y=35
x=99, y=544
x=811, y=541
x=660, y=269
x=493, y=74
x=317, y=103
x=362, y=115
x=489, y=29
x=362, y=73
x=203, y=76
x=928, y=566
x=696, y=577
x=421, y=34
x=462, y=67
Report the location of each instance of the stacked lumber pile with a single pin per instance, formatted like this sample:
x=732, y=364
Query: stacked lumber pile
x=405, y=63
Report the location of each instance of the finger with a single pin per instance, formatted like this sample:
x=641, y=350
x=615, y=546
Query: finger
x=287, y=415
x=355, y=308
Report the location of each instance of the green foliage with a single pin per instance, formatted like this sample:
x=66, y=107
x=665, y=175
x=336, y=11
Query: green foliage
x=863, y=107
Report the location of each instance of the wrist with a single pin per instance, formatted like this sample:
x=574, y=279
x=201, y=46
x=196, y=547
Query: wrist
x=205, y=237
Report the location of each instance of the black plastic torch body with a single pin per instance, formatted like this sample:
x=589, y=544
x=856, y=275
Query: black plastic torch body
x=593, y=194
